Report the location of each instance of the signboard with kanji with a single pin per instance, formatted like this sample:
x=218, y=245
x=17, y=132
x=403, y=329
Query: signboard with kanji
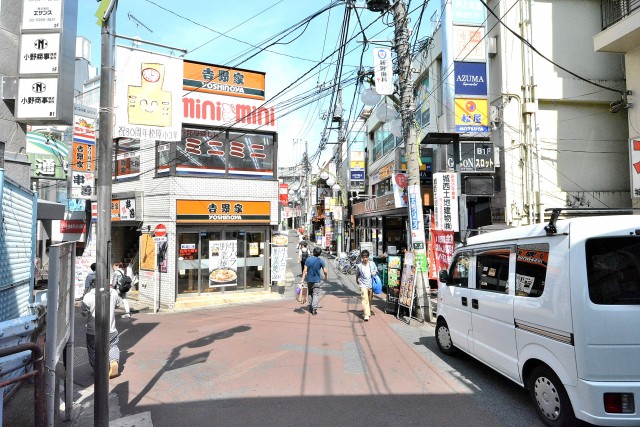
x=223, y=211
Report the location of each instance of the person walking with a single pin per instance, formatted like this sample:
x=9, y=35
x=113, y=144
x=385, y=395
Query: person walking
x=364, y=272
x=89, y=311
x=311, y=273
x=303, y=254
x=116, y=281
x=89, y=281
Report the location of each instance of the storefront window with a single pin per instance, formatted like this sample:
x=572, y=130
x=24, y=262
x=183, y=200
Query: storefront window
x=126, y=163
x=203, y=255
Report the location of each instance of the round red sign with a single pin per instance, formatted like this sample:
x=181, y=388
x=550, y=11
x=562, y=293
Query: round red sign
x=160, y=230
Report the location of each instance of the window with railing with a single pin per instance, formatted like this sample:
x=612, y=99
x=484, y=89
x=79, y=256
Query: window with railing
x=616, y=10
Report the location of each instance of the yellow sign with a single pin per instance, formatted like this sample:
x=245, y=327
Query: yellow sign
x=147, y=252
x=471, y=115
x=356, y=165
x=222, y=211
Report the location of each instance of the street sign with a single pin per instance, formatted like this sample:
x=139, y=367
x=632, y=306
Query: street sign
x=160, y=230
x=160, y=239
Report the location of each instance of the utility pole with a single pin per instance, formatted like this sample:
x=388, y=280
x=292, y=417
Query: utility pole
x=412, y=154
x=103, y=246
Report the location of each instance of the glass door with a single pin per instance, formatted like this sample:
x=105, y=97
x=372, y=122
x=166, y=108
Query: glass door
x=188, y=263
x=205, y=285
x=254, y=259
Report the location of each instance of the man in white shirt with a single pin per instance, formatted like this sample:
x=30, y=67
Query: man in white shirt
x=89, y=311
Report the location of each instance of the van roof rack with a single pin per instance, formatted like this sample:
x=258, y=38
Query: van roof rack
x=555, y=213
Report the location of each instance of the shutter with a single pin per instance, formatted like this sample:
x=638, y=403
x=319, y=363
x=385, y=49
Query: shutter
x=18, y=218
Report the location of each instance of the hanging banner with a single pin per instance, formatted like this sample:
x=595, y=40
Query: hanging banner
x=441, y=247
x=382, y=70
x=634, y=154
x=148, y=95
x=284, y=194
x=445, y=196
x=223, y=267
x=400, y=195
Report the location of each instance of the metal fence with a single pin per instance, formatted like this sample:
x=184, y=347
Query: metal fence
x=615, y=10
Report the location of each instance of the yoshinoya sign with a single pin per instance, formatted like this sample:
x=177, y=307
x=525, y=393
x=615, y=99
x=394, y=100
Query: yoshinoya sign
x=471, y=78
x=220, y=80
x=223, y=211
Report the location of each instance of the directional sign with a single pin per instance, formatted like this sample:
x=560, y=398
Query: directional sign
x=160, y=230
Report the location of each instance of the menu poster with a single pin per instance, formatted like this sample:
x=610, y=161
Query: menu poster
x=223, y=266
x=279, y=257
x=408, y=281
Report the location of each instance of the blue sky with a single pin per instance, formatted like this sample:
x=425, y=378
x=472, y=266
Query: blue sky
x=225, y=33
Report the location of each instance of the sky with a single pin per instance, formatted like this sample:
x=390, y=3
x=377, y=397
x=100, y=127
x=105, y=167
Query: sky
x=233, y=34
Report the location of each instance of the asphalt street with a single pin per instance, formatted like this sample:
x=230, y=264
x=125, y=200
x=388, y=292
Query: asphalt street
x=274, y=364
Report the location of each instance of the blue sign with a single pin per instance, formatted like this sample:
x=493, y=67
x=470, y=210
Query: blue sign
x=413, y=209
x=357, y=175
x=471, y=78
x=468, y=12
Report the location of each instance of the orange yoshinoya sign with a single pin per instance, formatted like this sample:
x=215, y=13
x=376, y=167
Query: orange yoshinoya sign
x=223, y=80
x=223, y=211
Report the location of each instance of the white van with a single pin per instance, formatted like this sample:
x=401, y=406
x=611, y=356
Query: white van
x=556, y=309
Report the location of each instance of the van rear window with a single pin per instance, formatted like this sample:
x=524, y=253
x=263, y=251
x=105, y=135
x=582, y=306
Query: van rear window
x=613, y=270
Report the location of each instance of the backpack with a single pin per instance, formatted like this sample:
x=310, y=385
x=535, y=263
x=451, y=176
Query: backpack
x=124, y=284
x=304, y=254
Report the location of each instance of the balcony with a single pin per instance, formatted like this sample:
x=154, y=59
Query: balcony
x=615, y=10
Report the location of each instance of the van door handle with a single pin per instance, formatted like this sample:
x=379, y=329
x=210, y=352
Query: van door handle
x=474, y=303
x=464, y=301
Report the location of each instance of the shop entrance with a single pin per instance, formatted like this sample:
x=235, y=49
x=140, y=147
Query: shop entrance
x=194, y=264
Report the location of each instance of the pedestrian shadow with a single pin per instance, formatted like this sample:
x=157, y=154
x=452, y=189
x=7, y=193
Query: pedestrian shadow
x=175, y=361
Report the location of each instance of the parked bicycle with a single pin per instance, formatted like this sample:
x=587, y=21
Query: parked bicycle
x=347, y=264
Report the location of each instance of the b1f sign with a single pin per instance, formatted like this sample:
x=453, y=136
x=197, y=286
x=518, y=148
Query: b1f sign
x=382, y=70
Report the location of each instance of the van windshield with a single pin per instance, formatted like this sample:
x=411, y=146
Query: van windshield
x=613, y=270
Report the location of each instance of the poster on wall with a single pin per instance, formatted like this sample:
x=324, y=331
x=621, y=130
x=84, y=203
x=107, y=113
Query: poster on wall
x=279, y=243
x=223, y=266
x=147, y=252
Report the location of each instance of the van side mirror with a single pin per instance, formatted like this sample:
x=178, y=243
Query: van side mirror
x=443, y=276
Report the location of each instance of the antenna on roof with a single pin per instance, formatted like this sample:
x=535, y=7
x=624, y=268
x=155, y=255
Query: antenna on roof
x=138, y=24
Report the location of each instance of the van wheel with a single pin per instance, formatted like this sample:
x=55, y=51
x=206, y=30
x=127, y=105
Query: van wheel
x=443, y=338
x=550, y=398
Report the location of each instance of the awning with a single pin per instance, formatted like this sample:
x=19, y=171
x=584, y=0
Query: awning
x=50, y=210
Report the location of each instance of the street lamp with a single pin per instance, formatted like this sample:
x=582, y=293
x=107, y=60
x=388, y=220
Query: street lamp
x=324, y=175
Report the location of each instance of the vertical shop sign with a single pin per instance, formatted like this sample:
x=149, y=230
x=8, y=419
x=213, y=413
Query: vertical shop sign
x=445, y=195
x=634, y=153
x=223, y=267
x=382, y=70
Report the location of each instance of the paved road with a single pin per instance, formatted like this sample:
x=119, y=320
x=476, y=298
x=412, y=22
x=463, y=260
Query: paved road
x=273, y=364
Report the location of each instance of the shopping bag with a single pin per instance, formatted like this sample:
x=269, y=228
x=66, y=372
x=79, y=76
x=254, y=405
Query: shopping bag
x=376, y=284
x=301, y=293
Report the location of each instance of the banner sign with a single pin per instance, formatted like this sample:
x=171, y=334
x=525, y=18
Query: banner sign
x=441, y=247
x=634, y=154
x=223, y=211
x=445, y=196
x=471, y=78
x=469, y=44
x=223, y=80
x=471, y=115
x=468, y=12
x=148, y=95
x=284, y=194
x=382, y=70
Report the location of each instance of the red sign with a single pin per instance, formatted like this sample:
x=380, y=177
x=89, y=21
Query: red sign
x=284, y=194
x=72, y=226
x=160, y=230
